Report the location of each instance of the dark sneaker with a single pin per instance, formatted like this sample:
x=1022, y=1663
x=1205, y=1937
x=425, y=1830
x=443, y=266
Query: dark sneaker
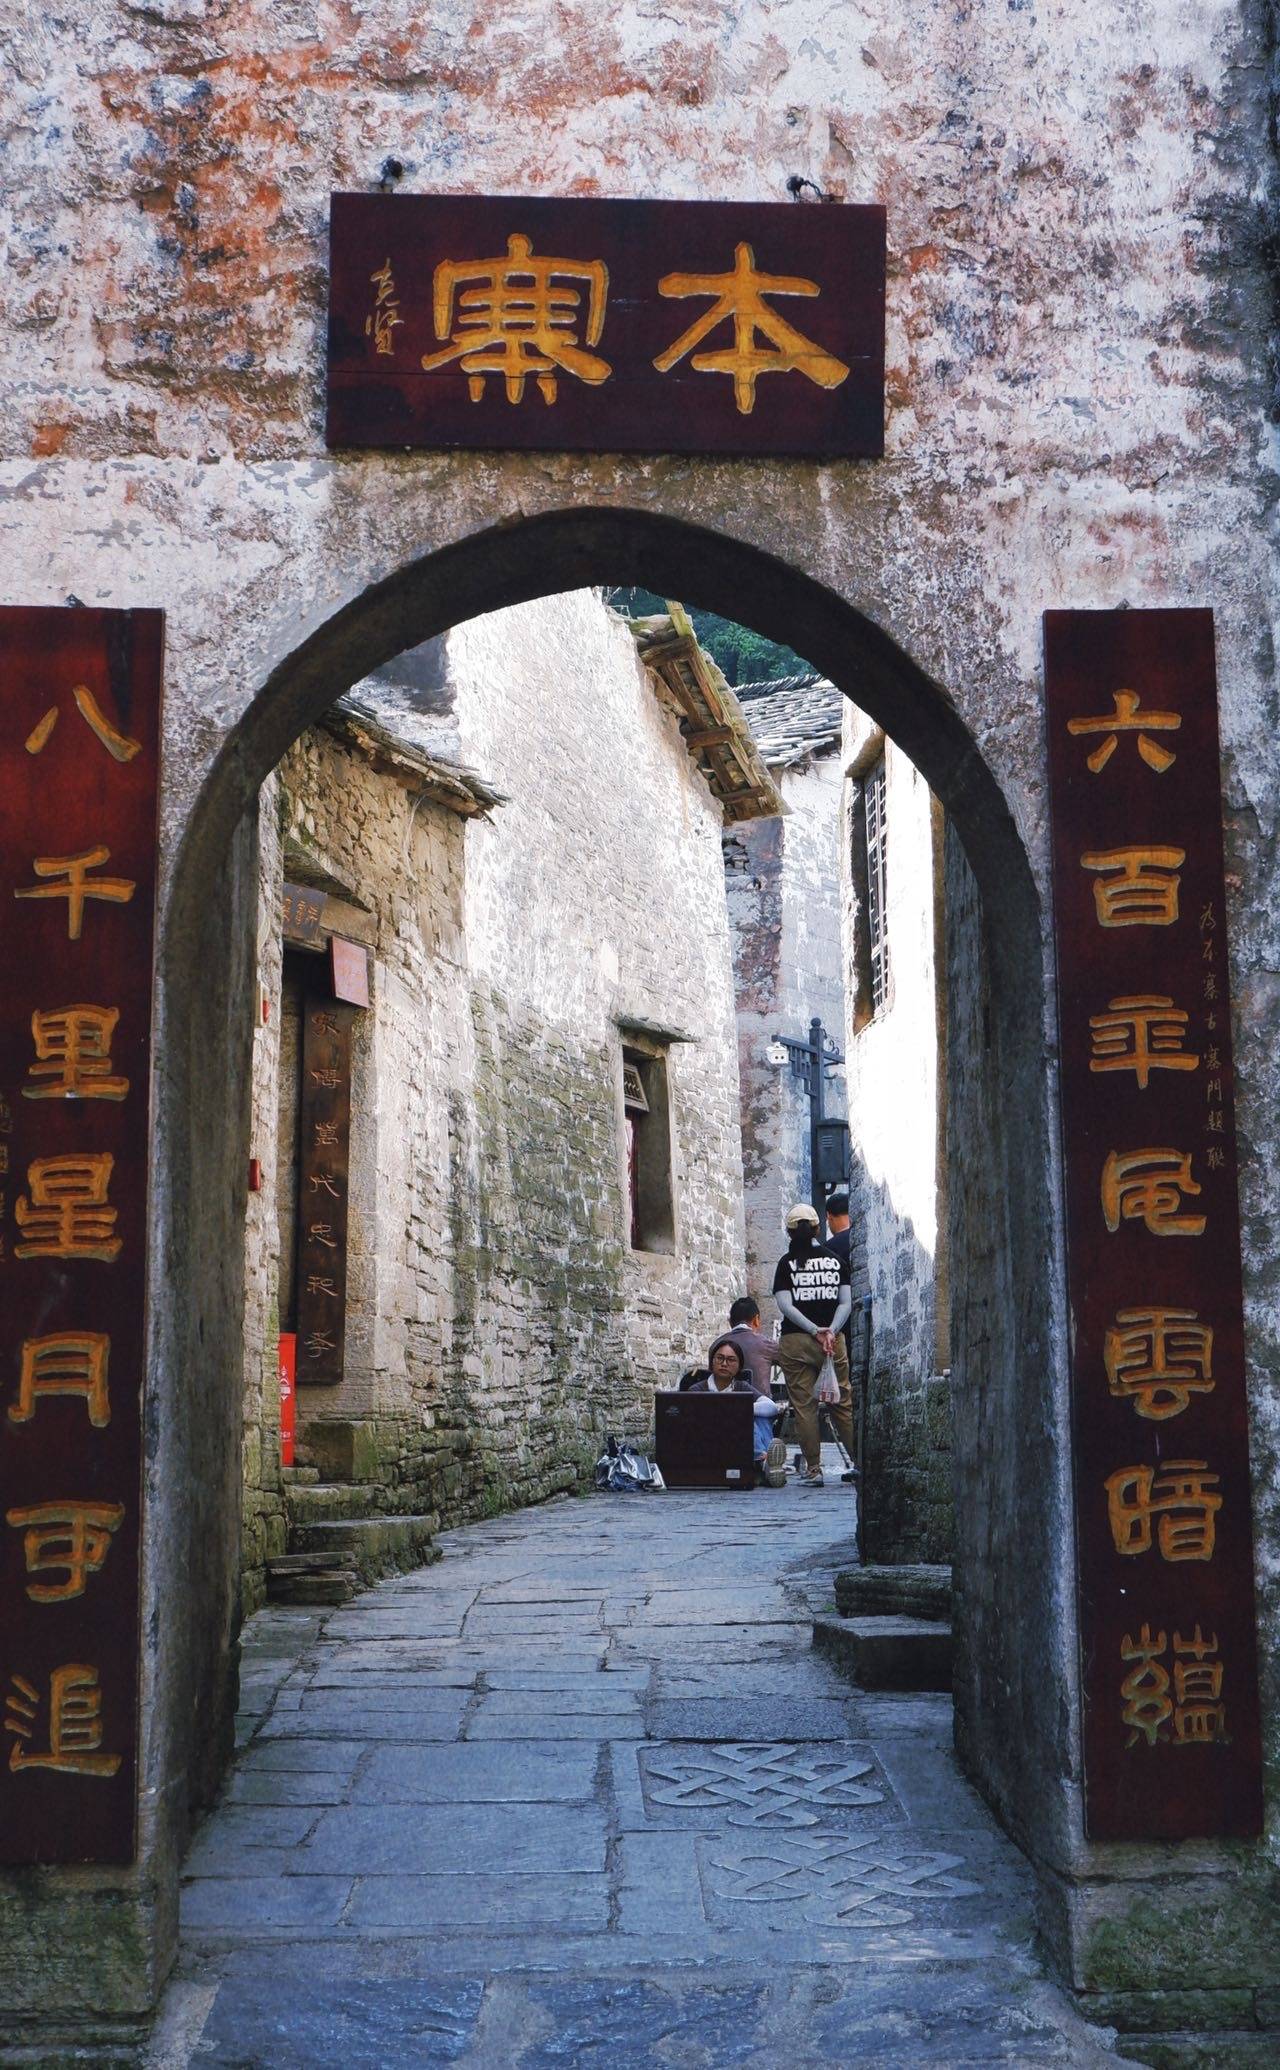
x=851, y=1475
x=805, y=1479
x=775, y=1465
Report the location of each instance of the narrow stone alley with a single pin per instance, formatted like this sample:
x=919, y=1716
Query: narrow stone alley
x=582, y=1794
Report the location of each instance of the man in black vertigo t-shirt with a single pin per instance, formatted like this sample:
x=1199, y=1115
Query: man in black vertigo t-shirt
x=811, y=1288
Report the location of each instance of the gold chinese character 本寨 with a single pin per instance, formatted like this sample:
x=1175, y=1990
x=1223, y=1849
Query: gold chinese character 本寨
x=74, y=1535
x=79, y=885
x=75, y=1723
x=741, y=297
x=1157, y=1358
x=516, y=317
x=73, y=1055
x=118, y=745
x=1129, y=718
x=1180, y=1495
x=1147, y=1186
x=67, y=1215
x=1136, y=887
x=72, y=1362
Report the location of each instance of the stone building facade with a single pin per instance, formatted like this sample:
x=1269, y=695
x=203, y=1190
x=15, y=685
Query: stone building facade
x=891, y=853
x=1080, y=390
x=782, y=879
x=527, y=929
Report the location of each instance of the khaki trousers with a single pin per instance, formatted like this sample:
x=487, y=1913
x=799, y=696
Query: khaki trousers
x=800, y=1357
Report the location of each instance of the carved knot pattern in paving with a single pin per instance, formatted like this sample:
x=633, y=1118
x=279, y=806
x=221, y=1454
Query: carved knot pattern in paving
x=836, y=1882
x=771, y=1788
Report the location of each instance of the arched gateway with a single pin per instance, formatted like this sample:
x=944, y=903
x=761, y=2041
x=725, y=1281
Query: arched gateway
x=1017, y=1688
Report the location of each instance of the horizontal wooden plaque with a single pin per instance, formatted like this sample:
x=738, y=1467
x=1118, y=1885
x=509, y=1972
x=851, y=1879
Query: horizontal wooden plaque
x=606, y=326
x=1163, y=1517
x=80, y=695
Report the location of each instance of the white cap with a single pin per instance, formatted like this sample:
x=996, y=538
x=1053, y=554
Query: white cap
x=801, y=1212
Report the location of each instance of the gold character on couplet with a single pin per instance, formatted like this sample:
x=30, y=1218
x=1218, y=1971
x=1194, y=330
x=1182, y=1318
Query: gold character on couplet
x=322, y=1233
x=1157, y=1358
x=1142, y=1033
x=518, y=316
x=318, y=1343
x=71, y=1535
x=1199, y=1714
x=75, y=1723
x=73, y=1362
x=73, y=1054
x=1195, y=1708
x=1128, y=718
x=1181, y=1495
x=326, y=1136
x=118, y=745
x=1147, y=1186
x=741, y=298
x=385, y=316
x=67, y=1215
x=79, y=885
x=1137, y=887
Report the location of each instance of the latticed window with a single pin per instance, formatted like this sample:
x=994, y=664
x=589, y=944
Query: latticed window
x=877, y=917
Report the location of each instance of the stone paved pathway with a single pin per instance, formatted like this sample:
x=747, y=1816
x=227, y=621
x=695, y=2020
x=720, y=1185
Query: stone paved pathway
x=582, y=1795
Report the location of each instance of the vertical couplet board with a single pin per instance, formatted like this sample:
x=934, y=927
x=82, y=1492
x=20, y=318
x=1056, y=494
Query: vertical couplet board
x=1163, y=1527
x=323, y=1170
x=80, y=712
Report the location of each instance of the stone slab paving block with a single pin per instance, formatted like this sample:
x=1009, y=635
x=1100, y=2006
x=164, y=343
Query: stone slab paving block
x=888, y=1652
x=852, y=1880
x=251, y=1903
x=325, y=1721
x=778, y=1788
x=489, y=1724
x=480, y=1904
x=354, y=2026
x=464, y=1839
x=532, y=1772
x=752, y=1718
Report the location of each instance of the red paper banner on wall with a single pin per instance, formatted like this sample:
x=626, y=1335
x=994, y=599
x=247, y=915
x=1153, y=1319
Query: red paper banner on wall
x=80, y=695
x=1163, y=1519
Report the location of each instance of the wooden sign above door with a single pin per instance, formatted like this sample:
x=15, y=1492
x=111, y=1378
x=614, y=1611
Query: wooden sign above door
x=606, y=326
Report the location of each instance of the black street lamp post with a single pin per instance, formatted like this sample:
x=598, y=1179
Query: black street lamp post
x=828, y=1140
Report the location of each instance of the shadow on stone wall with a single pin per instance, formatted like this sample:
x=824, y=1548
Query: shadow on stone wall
x=908, y=1505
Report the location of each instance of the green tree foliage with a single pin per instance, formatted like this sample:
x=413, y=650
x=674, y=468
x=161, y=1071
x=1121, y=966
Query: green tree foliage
x=742, y=655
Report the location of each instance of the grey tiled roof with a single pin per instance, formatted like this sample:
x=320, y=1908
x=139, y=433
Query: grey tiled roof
x=792, y=717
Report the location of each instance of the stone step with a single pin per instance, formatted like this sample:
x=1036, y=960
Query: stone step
x=282, y=1564
x=319, y=1591
x=888, y=1652
x=372, y=1546
x=894, y=1592
x=322, y=1502
x=299, y=1476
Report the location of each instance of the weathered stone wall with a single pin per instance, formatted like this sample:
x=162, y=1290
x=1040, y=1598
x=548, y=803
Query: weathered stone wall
x=499, y=1324
x=896, y=1090
x=1079, y=387
x=782, y=879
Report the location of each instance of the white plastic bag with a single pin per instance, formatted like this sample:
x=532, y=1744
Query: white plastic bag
x=827, y=1390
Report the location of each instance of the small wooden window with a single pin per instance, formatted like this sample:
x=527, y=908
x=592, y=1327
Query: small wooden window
x=877, y=914
x=647, y=1116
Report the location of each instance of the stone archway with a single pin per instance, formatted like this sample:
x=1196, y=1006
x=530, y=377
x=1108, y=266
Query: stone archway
x=1015, y=1698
